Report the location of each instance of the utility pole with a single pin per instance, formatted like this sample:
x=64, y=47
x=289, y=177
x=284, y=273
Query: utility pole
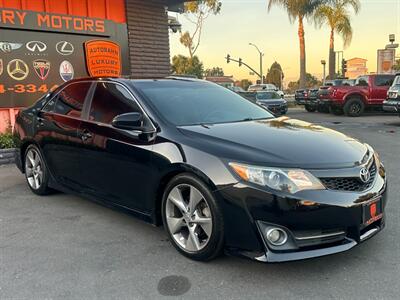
x=261, y=62
x=323, y=63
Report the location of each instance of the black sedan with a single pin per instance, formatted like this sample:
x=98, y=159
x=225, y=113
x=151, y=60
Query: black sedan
x=272, y=101
x=219, y=172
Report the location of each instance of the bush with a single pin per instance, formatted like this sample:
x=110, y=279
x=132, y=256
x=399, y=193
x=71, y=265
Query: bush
x=6, y=140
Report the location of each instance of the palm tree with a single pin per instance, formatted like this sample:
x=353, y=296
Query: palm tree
x=336, y=15
x=298, y=10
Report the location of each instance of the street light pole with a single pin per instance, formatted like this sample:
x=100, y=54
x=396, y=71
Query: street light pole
x=323, y=62
x=261, y=62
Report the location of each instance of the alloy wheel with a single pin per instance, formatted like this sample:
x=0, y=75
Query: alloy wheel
x=188, y=218
x=355, y=108
x=34, y=169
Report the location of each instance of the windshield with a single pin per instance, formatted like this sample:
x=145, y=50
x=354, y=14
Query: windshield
x=396, y=80
x=267, y=95
x=193, y=103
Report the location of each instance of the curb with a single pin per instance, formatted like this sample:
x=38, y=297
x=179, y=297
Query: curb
x=7, y=156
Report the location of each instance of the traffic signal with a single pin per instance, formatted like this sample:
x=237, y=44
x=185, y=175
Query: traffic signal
x=228, y=59
x=240, y=62
x=344, y=66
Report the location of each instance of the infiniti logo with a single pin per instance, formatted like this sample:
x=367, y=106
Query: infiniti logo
x=36, y=46
x=365, y=175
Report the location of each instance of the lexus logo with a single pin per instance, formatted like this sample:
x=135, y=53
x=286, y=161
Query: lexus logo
x=65, y=48
x=36, y=46
x=365, y=175
x=8, y=47
x=17, y=69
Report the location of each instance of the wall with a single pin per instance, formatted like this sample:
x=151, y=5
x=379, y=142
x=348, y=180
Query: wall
x=148, y=38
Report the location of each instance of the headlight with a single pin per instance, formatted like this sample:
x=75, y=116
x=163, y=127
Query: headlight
x=285, y=180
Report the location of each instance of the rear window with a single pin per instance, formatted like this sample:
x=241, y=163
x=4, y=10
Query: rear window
x=70, y=100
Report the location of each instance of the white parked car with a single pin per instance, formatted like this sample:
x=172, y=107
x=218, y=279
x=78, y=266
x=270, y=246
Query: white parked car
x=268, y=87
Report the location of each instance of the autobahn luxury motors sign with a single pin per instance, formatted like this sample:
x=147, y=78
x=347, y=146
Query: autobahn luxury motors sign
x=103, y=58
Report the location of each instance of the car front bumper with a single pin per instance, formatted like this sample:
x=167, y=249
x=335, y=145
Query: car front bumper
x=337, y=212
x=391, y=106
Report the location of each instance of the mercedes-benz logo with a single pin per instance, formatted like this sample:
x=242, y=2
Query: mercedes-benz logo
x=36, y=46
x=17, y=69
x=65, y=48
x=365, y=175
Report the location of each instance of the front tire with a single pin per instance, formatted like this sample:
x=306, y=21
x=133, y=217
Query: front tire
x=192, y=218
x=36, y=172
x=354, y=107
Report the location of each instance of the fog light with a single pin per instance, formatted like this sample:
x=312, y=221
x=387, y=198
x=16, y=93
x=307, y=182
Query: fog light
x=276, y=236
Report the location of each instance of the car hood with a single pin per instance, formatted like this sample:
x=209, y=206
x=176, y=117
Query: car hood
x=277, y=142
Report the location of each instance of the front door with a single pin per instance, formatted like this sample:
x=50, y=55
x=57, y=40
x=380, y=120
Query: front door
x=116, y=163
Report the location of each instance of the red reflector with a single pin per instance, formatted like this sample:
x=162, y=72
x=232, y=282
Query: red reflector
x=372, y=210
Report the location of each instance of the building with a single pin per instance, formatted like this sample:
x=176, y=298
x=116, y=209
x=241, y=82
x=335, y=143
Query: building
x=225, y=81
x=44, y=43
x=356, y=67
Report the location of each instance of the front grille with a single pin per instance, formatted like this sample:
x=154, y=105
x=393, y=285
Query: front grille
x=350, y=184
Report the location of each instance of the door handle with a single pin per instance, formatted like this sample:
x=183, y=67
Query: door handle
x=86, y=135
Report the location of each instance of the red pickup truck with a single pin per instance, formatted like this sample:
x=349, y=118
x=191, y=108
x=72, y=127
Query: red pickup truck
x=369, y=91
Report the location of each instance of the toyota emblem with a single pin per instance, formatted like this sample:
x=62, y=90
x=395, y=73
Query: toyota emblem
x=365, y=175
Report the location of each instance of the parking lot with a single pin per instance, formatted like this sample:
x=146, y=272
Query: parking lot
x=62, y=246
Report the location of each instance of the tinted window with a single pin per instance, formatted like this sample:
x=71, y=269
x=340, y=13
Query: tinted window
x=267, y=95
x=71, y=99
x=362, y=81
x=190, y=103
x=384, y=80
x=109, y=101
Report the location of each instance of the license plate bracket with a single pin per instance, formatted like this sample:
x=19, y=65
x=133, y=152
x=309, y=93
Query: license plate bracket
x=372, y=211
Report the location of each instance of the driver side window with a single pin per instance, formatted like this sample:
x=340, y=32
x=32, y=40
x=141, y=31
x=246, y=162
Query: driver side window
x=109, y=101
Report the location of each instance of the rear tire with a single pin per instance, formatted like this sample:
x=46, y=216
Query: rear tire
x=310, y=108
x=192, y=218
x=36, y=172
x=354, y=107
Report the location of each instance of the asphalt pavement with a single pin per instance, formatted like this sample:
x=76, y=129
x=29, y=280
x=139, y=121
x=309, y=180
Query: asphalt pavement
x=66, y=247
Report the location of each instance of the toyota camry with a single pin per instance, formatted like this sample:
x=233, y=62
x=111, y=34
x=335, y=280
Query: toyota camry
x=218, y=172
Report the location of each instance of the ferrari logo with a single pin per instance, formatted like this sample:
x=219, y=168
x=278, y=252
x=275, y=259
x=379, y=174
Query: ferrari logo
x=17, y=69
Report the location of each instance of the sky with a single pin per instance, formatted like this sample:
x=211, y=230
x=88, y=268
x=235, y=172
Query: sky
x=248, y=21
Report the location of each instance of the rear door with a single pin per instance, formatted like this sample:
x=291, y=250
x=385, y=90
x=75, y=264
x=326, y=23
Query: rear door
x=57, y=129
x=382, y=84
x=116, y=163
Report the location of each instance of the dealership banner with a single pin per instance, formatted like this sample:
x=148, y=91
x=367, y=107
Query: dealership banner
x=40, y=51
x=386, y=60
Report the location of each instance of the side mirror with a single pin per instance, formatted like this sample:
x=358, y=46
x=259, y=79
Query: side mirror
x=128, y=121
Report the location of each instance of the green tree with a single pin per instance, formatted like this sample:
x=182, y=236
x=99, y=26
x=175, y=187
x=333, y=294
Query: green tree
x=197, y=12
x=275, y=74
x=311, y=82
x=336, y=15
x=245, y=83
x=215, y=71
x=183, y=65
x=299, y=10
